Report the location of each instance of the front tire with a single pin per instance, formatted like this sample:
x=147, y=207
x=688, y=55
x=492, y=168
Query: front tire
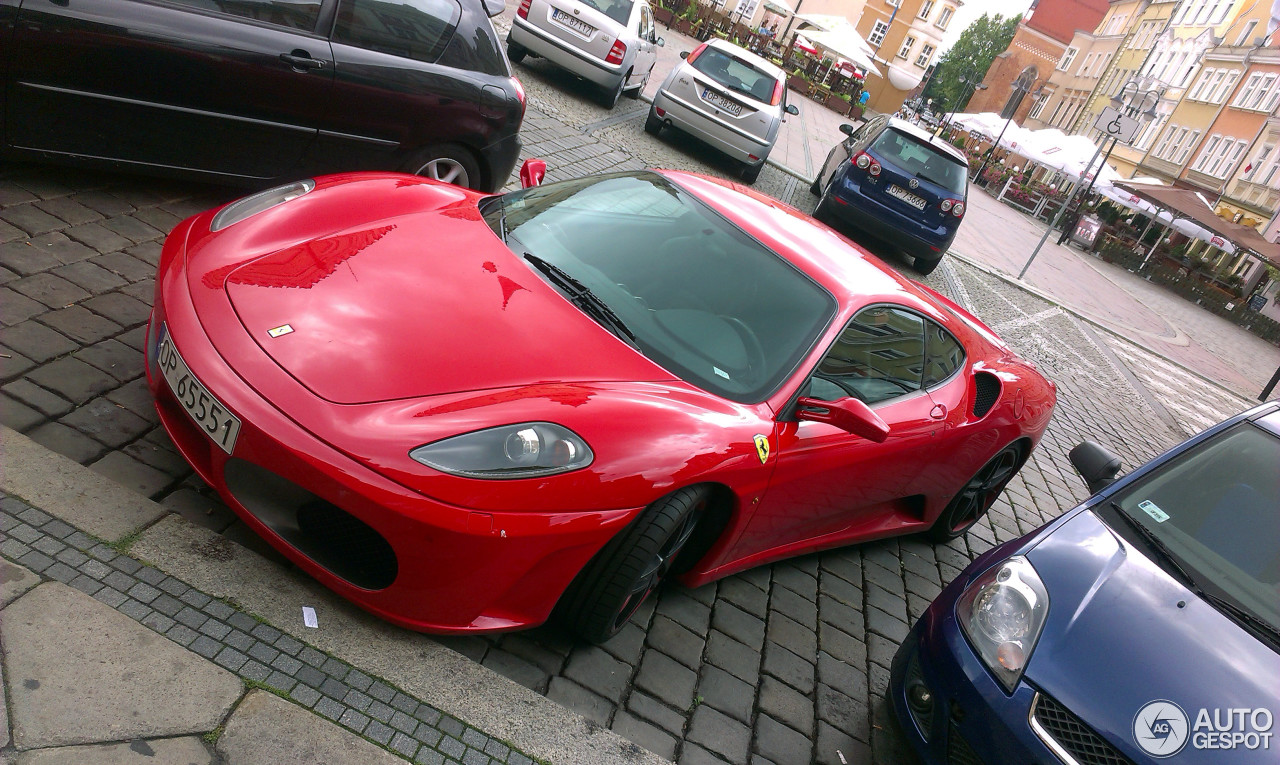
x=447, y=162
x=609, y=589
x=751, y=172
x=978, y=495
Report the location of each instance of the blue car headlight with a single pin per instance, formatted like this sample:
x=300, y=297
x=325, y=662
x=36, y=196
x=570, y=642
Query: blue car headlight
x=1002, y=613
x=523, y=450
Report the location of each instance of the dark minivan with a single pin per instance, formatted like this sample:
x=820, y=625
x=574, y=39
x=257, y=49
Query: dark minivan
x=257, y=91
x=897, y=182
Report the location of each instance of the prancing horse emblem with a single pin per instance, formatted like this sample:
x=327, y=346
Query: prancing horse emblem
x=762, y=448
x=913, y=183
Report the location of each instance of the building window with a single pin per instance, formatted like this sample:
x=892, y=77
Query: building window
x=1034, y=114
x=925, y=9
x=908, y=43
x=1207, y=152
x=878, y=32
x=1201, y=85
x=926, y=53
x=1162, y=148
x=1186, y=148
x=1247, y=34
x=1259, y=160
x=1088, y=64
x=1067, y=58
x=1254, y=92
x=1221, y=92
x=944, y=18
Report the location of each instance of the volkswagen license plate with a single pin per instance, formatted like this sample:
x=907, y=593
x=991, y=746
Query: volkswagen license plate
x=218, y=423
x=576, y=24
x=906, y=196
x=720, y=102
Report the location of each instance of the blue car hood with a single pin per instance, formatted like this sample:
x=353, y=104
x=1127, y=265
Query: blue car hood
x=1116, y=640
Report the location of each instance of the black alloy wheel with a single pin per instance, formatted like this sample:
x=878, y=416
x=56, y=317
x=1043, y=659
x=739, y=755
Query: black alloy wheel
x=978, y=495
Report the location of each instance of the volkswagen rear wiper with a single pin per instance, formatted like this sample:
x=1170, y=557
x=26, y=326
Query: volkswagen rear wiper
x=582, y=296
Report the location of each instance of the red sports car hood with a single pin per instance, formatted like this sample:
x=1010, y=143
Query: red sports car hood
x=418, y=305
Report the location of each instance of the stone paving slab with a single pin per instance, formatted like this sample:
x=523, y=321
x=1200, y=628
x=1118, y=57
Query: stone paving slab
x=105, y=509
x=105, y=678
x=14, y=581
x=266, y=728
x=187, y=750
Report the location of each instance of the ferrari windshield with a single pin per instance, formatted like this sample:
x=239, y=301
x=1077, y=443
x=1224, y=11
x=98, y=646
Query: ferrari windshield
x=681, y=283
x=1215, y=512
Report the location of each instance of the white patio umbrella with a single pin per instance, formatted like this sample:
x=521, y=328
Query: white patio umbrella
x=844, y=43
x=778, y=7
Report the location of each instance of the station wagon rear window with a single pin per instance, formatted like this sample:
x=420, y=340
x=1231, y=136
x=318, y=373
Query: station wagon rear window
x=915, y=157
x=618, y=10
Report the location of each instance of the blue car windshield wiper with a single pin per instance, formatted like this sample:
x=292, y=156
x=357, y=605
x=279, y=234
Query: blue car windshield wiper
x=582, y=296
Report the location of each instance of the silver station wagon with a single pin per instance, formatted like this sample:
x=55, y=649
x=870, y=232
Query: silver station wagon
x=728, y=97
x=612, y=43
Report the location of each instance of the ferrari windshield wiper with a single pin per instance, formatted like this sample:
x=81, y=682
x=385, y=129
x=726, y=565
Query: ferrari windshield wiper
x=582, y=296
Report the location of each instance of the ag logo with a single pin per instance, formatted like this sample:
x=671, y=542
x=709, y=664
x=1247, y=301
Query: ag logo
x=762, y=448
x=1161, y=728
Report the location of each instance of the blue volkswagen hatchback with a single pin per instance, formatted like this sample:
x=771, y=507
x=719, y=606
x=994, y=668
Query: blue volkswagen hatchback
x=1143, y=625
x=896, y=182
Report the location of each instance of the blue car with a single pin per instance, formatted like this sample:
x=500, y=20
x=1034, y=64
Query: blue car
x=1141, y=626
x=898, y=183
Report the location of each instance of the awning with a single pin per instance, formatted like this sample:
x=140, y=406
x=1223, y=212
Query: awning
x=844, y=43
x=802, y=44
x=777, y=6
x=1189, y=204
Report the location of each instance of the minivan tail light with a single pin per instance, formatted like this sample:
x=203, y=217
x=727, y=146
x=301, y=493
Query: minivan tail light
x=616, y=53
x=946, y=204
x=523, y=12
x=957, y=209
x=696, y=52
x=778, y=88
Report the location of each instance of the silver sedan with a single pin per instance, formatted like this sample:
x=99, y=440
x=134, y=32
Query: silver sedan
x=612, y=43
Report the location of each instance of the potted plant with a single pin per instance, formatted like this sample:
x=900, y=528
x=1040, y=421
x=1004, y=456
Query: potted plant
x=798, y=82
x=663, y=15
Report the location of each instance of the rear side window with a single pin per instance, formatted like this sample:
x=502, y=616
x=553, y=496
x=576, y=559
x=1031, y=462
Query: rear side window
x=292, y=14
x=917, y=158
x=735, y=74
x=415, y=29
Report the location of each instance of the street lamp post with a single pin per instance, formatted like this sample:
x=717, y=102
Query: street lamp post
x=1129, y=102
x=1020, y=88
x=966, y=92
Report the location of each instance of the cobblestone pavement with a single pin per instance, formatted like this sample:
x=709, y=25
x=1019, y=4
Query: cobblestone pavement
x=258, y=653
x=783, y=664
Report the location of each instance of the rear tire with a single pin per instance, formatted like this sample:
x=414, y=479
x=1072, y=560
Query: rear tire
x=652, y=125
x=978, y=495
x=751, y=172
x=925, y=266
x=621, y=576
x=515, y=51
x=635, y=93
x=609, y=98
x=446, y=162
x=815, y=188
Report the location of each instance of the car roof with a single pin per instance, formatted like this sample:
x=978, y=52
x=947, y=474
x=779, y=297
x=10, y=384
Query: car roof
x=853, y=275
x=925, y=136
x=746, y=55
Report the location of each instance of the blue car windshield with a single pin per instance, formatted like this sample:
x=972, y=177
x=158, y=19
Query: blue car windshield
x=915, y=157
x=1216, y=509
x=677, y=280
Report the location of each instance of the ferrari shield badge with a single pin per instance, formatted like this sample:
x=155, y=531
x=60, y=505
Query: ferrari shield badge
x=762, y=448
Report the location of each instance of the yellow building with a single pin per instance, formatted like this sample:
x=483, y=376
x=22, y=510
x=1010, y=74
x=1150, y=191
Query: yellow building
x=906, y=36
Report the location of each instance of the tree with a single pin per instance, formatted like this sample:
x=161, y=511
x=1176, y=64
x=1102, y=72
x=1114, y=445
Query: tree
x=970, y=57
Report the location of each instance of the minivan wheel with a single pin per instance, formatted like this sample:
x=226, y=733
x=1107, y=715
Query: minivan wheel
x=751, y=172
x=515, y=51
x=447, y=162
x=815, y=188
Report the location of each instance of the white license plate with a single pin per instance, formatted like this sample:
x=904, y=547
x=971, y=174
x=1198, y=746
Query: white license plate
x=720, y=102
x=576, y=24
x=906, y=196
x=208, y=412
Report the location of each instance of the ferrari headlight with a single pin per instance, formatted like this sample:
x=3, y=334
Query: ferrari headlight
x=1002, y=614
x=260, y=202
x=524, y=450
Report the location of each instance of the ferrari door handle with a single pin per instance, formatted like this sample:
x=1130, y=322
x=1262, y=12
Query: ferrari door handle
x=938, y=412
x=300, y=59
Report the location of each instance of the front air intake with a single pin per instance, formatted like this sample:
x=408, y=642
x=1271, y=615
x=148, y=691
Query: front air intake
x=988, y=392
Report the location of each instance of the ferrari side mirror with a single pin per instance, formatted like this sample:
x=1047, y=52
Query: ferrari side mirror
x=532, y=172
x=1097, y=465
x=849, y=414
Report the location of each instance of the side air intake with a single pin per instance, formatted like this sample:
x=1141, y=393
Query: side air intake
x=988, y=386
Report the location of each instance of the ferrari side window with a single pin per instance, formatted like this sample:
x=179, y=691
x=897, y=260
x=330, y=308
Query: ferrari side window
x=879, y=356
x=943, y=355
